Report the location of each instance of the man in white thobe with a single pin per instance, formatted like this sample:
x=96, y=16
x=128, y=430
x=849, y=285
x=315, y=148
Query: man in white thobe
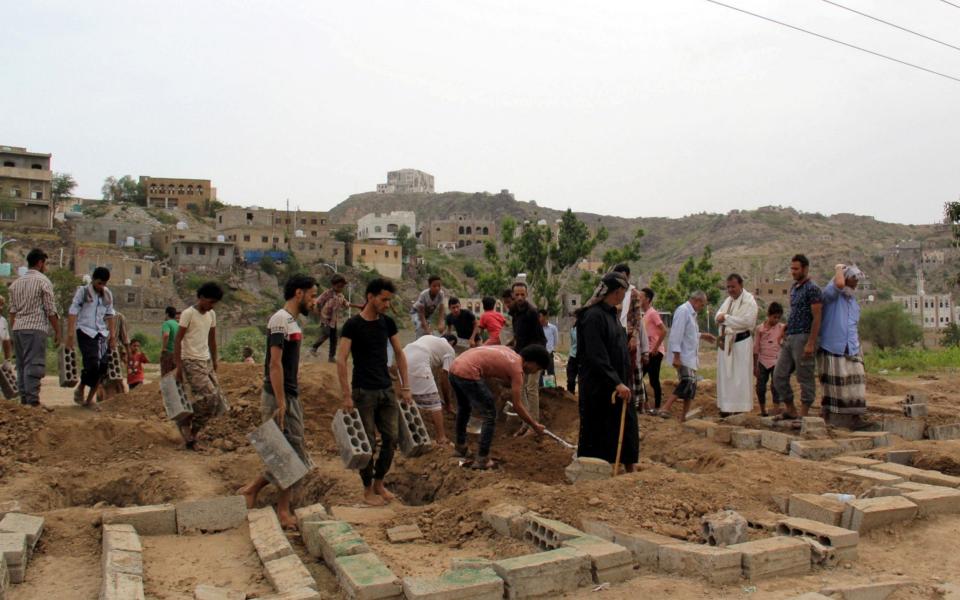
x=737, y=319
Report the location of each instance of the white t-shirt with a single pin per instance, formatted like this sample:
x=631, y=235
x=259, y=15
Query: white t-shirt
x=423, y=356
x=4, y=330
x=195, y=344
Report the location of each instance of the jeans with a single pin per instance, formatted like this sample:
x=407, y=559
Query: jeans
x=475, y=394
x=327, y=333
x=30, y=346
x=652, y=370
x=765, y=374
x=94, y=352
x=378, y=409
x=791, y=359
x=573, y=368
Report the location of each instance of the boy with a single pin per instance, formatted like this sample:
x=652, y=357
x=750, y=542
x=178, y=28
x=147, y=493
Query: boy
x=429, y=301
x=91, y=323
x=328, y=307
x=195, y=356
x=463, y=323
x=135, y=361
x=168, y=332
x=766, y=352
x=491, y=321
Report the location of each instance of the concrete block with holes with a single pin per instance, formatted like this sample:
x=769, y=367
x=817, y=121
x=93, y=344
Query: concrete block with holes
x=332, y=540
x=908, y=429
x=773, y=557
x=916, y=475
x=548, y=534
x=115, y=366
x=776, y=441
x=747, y=439
x=352, y=441
x=281, y=460
x=816, y=508
x=175, y=402
x=414, y=439
x=13, y=552
x=288, y=573
x=8, y=381
x=548, y=574
x=507, y=519
x=944, y=432
x=609, y=562
x=29, y=525
x=211, y=514
x=457, y=584
x=865, y=514
x=365, y=577
x=717, y=565
x=935, y=501
x=69, y=371
x=814, y=449
x=843, y=541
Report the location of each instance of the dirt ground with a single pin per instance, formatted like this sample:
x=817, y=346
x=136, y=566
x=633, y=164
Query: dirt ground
x=69, y=464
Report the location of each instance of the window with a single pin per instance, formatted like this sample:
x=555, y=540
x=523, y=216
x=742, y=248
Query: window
x=37, y=166
x=363, y=251
x=395, y=254
x=469, y=230
x=313, y=221
x=770, y=292
x=189, y=249
x=249, y=217
x=221, y=251
x=220, y=219
x=36, y=195
x=203, y=250
x=276, y=240
x=313, y=246
x=131, y=297
x=335, y=251
x=8, y=163
x=288, y=222
x=377, y=229
x=303, y=221
x=278, y=220
x=301, y=245
x=264, y=239
x=323, y=221
x=486, y=231
x=15, y=192
x=392, y=228
x=8, y=214
x=137, y=270
x=246, y=237
x=313, y=234
x=461, y=230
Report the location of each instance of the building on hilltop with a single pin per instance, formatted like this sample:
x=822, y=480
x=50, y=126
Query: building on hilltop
x=125, y=269
x=407, y=181
x=459, y=231
x=172, y=192
x=384, y=226
x=259, y=231
x=385, y=258
x=25, y=188
x=113, y=232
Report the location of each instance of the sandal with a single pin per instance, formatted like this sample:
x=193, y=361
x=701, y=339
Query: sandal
x=483, y=464
x=785, y=417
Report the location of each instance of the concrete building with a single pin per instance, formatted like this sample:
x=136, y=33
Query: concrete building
x=384, y=226
x=203, y=254
x=458, y=231
x=930, y=311
x=254, y=230
x=386, y=259
x=908, y=253
x=172, y=192
x=932, y=258
x=113, y=232
x=25, y=188
x=407, y=181
x=123, y=267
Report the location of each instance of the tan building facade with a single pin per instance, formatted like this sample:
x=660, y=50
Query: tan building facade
x=123, y=267
x=112, y=232
x=407, y=181
x=385, y=226
x=25, y=188
x=458, y=231
x=386, y=259
x=173, y=192
x=307, y=234
x=203, y=254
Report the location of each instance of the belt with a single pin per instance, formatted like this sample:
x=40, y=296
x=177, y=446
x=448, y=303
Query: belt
x=741, y=336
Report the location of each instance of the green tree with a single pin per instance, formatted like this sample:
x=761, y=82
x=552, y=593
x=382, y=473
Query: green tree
x=62, y=186
x=65, y=284
x=693, y=275
x=889, y=326
x=951, y=215
x=628, y=253
x=268, y=265
x=574, y=241
x=950, y=336
x=407, y=241
x=470, y=270
x=124, y=189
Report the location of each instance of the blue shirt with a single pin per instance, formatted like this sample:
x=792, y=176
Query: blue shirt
x=551, y=333
x=838, y=329
x=685, y=336
x=92, y=310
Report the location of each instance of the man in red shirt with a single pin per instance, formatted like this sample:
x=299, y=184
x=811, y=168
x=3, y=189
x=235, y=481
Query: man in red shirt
x=492, y=321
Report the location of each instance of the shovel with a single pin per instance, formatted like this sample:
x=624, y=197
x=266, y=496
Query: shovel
x=508, y=410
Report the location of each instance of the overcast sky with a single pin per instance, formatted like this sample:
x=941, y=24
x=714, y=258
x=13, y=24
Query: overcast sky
x=619, y=107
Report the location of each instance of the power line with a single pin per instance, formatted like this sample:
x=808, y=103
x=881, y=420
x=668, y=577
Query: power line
x=950, y=3
x=863, y=14
x=836, y=41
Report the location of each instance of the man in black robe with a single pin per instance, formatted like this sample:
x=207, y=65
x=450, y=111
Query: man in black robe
x=604, y=373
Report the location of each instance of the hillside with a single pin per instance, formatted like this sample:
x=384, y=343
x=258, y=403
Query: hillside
x=757, y=243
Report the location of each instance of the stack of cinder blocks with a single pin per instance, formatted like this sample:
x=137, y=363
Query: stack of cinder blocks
x=915, y=405
x=19, y=534
x=68, y=372
x=114, y=365
x=121, y=563
x=283, y=568
x=8, y=381
x=355, y=449
x=414, y=439
x=175, y=401
x=282, y=462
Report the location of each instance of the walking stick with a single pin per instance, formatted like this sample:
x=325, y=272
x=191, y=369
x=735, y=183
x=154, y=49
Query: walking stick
x=623, y=421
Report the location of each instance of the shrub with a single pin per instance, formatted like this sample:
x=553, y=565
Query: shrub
x=248, y=336
x=889, y=326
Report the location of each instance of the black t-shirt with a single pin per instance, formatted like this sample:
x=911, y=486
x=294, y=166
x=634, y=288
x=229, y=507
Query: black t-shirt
x=527, y=329
x=463, y=323
x=368, y=345
x=284, y=332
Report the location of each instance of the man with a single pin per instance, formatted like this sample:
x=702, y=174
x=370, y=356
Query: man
x=506, y=332
x=631, y=319
x=839, y=359
x=552, y=334
x=491, y=321
x=5, y=333
x=684, y=346
x=280, y=398
x=467, y=376
x=803, y=326
x=656, y=333
x=365, y=336
x=604, y=374
x=328, y=307
x=33, y=317
x=736, y=318
x=527, y=331
x=195, y=354
x=428, y=360
x=464, y=323
x=429, y=301
x=168, y=331
x=766, y=351
x=91, y=318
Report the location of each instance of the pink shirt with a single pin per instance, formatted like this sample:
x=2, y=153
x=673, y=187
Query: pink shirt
x=767, y=345
x=493, y=322
x=495, y=362
x=652, y=322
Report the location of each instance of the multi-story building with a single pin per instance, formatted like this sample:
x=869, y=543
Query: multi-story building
x=25, y=188
x=384, y=226
x=406, y=181
x=385, y=258
x=172, y=192
x=124, y=268
x=930, y=311
x=203, y=254
x=113, y=232
x=458, y=231
x=254, y=230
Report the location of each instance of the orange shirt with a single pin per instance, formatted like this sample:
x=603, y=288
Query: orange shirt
x=494, y=362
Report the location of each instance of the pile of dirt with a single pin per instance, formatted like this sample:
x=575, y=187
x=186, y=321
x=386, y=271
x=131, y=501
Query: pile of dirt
x=18, y=425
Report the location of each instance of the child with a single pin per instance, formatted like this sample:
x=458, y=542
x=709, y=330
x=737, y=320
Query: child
x=135, y=361
x=492, y=321
x=248, y=356
x=765, y=354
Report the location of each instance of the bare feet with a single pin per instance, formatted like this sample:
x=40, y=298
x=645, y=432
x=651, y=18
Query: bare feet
x=371, y=498
x=249, y=493
x=287, y=521
x=383, y=492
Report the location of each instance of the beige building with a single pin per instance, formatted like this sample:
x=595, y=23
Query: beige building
x=407, y=181
x=171, y=192
x=386, y=259
x=25, y=188
x=384, y=226
x=458, y=231
x=123, y=267
x=203, y=254
x=930, y=311
x=307, y=234
x=113, y=232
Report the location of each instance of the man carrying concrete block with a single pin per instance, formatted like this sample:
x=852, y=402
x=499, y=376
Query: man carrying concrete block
x=365, y=336
x=428, y=356
x=280, y=399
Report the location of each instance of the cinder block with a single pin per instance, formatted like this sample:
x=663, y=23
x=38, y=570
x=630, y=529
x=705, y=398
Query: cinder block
x=210, y=592
x=175, y=401
x=212, y=514
x=365, y=577
x=121, y=537
x=935, y=502
x=814, y=449
x=747, y=439
x=352, y=440
x=157, y=519
x=723, y=528
x=548, y=534
x=461, y=563
x=866, y=591
x=811, y=596
x=908, y=429
x=915, y=411
x=122, y=561
x=776, y=441
x=13, y=552
x=68, y=372
x=843, y=541
x=314, y=512
x=549, y=573
x=918, y=475
x=463, y=584
x=812, y=425
x=910, y=486
x=585, y=468
x=609, y=562
x=28, y=525
x=4, y=579
x=774, y=557
x=279, y=457
x=820, y=554
x=698, y=426
x=816, y=508
x=8, y=381
x=721, y=433
x=869, y=513
x=600, y=529
x=717, y=565
x=879, y=438
x=115, y=366
x=860, y=462
x=854, y=444
x=267, y=535
x=9, y=506
x=121, y=586
x=872, y=477
x=901, y=457
x=332, y=539
x=288, y=573
x=944, y=432
x=402, y=534
x=414, y=439
x=507, y=519
x=644, y=545
x=298, y=594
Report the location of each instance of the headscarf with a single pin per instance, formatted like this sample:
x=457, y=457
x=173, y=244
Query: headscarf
x=853, y=272
x=609, y=283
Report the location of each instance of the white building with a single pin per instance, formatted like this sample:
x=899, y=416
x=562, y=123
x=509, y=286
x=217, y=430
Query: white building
x=407, y=181
x=931, y=311
x=384, y=226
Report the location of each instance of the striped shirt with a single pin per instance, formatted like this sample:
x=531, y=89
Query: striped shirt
x=31, y=302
